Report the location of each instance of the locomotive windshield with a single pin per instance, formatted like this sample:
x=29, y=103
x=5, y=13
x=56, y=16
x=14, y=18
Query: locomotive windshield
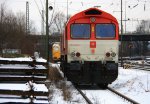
x=80, y=30
x=105, y=31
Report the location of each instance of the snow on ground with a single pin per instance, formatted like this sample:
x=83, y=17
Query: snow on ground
x=134, y=84
x=72, y=95
x=63, y=92
x=131, y=82
x=103, y=97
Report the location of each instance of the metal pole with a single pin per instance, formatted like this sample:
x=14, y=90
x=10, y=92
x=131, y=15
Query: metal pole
x=47, y=32
x=67, y=10
x=121, y=37
x=125, y=17
x=27, y=18
x=42, y=23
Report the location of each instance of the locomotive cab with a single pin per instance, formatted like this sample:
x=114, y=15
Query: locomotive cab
x=90, y=47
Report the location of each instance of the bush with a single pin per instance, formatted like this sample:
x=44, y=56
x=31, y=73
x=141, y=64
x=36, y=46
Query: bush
x=54, y=75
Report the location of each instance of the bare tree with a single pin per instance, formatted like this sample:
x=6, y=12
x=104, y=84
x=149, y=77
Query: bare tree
x=12, y=31
x=58, y=24
x=144, y=27
x=59, y=21
x=2, y=34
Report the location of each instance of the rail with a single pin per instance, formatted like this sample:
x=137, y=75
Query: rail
x=84, y=96
x=123, y=96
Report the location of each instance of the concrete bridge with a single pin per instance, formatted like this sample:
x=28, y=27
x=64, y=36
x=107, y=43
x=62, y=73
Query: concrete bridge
x=136, y=37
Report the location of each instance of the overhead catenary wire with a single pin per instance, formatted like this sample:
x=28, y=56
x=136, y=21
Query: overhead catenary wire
x=51, y=21
x=42, y=5
x=40, y=11
x=59, y=4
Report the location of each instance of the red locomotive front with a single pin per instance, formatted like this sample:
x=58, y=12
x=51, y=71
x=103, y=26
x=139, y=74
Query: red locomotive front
x=90, y=48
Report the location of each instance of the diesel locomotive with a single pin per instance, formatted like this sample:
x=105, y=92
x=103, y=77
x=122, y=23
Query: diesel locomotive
x=89, y=48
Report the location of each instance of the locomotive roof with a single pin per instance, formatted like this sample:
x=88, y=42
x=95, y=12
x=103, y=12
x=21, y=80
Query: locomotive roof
x=93, y=12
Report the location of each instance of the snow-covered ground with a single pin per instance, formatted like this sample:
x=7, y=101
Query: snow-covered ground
x=59, y=93
x=131, y=82
x=104, y=97
x=134, y=84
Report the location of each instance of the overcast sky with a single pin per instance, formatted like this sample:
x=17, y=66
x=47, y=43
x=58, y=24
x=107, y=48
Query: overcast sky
x=135, y=9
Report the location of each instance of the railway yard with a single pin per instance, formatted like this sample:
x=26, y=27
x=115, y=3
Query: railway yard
x=133, y=83
x=74, y=52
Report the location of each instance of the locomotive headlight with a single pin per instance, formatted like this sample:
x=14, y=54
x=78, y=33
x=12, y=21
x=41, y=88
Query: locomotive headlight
x=72, y=54
x=107, y=54
x=78, y=54
x=113, y=54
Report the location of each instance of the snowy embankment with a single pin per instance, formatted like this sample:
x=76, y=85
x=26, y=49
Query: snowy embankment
x=131, y=82
x=62, y=91
x=134, y=84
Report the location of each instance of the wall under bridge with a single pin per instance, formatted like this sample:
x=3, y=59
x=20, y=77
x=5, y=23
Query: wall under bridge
x=134, y=45
x=40, y=44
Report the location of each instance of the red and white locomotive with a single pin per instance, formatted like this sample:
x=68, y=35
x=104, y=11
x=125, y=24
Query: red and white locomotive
x=89, y=50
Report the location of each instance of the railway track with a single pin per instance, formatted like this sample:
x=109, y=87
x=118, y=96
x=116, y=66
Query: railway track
x=122, y=96
x=84, y=96
x=111, y=90
x=23, y=81
x=145, y=67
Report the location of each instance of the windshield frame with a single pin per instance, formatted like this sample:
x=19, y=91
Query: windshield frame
x=96, y=36
x=89, y=32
